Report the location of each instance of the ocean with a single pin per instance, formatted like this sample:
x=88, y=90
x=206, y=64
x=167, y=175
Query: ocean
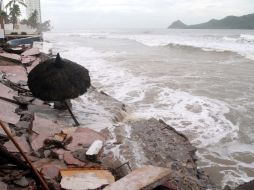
x=201, y=82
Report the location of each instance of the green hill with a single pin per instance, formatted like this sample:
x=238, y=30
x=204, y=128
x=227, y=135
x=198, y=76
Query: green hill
x=229, y=22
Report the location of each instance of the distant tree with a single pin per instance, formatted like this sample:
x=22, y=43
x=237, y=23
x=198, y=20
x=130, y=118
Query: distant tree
x=33, y=22
x=4, y=16
x=14, y=9
x=33, y=19
x=24, y=21
x=44, y=27
x=14, y=14
x=15, y=2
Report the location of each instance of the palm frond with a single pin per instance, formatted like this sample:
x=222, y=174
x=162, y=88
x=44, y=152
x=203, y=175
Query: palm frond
x=9, y=4
x=22, y=3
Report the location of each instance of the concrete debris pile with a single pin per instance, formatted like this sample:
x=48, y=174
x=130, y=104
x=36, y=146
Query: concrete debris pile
x=131, y=155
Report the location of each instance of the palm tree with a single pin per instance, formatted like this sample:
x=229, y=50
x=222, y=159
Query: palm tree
x=15, y=2
x=14, y=9
x=14, y=14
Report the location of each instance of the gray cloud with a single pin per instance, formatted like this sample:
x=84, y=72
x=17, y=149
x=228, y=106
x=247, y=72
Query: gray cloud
x=80, y=14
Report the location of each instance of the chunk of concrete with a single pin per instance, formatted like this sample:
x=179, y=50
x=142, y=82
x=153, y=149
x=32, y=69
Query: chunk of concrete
x=7, y=112
x=46, y=126
x=38, y=142
x=28, y=60
x=94, y=150
x=70, y=160
x=10, y=56
x=50, y=171
x=84, y=179
x=22, y=143
x=7, y=92
x=145, y=178
x=30, y=52
x=14, y=73
x=84, y=137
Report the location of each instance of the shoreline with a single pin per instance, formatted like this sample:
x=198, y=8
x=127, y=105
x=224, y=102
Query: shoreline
x=54, y=145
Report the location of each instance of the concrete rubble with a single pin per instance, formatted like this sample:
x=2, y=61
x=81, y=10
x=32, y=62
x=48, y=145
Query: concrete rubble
x=145, y=178
x=85, y=179
x=108, y=151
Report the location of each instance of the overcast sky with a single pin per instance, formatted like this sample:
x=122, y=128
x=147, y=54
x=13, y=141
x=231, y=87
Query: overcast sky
x=81, y=14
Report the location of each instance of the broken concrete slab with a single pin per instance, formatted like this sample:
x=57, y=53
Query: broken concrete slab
x=145, y=178
x=70, y=160
x=11, y=56
x=7, y=92
x=43, y=125
x=22, y=143
x=31, y=51
x=153, y=142
x=80, y=154
x=38, y=141
x=14, y=73
x=34, y=64
x=28, y=60
x=47, y=161
x=94, y=150
x=23, y=125
x=85, y=179
x=50, y=171
x=7, y=112
x=84, y=137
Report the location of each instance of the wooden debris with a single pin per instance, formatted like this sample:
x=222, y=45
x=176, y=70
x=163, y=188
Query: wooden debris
x=145, y=178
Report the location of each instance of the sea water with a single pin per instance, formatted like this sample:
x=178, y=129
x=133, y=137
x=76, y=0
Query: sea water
x=200, y=82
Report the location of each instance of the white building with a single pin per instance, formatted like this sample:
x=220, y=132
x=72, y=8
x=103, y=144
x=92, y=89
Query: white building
x=33, y=5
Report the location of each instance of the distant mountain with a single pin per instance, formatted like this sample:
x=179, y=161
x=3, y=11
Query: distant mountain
x=229, y=22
